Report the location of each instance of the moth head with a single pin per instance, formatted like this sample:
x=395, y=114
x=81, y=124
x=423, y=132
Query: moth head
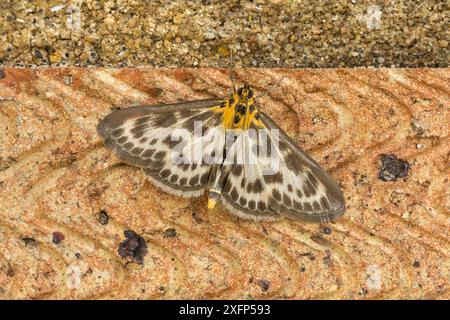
x=245, y=94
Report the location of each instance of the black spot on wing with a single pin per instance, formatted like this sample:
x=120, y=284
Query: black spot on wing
x=128, y=145
x=293, y=162
x=164, y=173
x=273, y=178
x=324, y=203
x=307, y=207
x=164, y=119
x=309, y=186
x=297, y=205
x=316, y=206
x=138, y=131
x=194, y=180
x=227, y=187
x=255, y=187
x=160, y=155
x=262, y=206
x=234, y=194
x=169, y=142
x=287, y=201
x=148, y=153
x=136, y=151
x=122, y=140
x=312, y=178
x=204, y=178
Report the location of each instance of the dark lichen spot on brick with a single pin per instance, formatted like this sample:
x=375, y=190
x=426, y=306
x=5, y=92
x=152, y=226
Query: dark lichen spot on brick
x=327, y=230
x=7, y=162
x=310, y=255
x=134, y=247
x=170, y=233
x=264, y=284
x=162, y=290
x=38, y=54
x=58, y=237
x=29, y=242
x=416, y=264
x=327, y=260
x=155, y=92
x=77, y=255
x=319, y=239
x=392, y=168
x=419, y=131
x=103, y=217
x=2, y=74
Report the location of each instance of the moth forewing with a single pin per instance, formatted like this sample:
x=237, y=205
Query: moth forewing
x=146, y=137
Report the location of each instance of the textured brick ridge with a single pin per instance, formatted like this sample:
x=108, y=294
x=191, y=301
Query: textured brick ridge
x=66, y=201
x=262, y=33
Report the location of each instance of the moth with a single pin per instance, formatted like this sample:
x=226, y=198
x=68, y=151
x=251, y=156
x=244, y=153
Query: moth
x=228, y=148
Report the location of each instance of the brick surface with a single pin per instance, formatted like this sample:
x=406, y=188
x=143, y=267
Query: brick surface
x=66, y=200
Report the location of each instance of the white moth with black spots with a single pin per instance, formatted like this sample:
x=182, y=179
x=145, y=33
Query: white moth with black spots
x=228, y=148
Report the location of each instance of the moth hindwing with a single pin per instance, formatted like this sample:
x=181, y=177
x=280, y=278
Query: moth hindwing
x=228, y=148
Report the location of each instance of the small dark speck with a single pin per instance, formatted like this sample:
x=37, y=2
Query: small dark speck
x=10, y=273
x=133, y=247
x=310, y=255
x=103, y=217
x=78, y=255
x=416, y=264
x=196, y=217
x=156, y=92
x=29, y=242
x=327, y=260
x=170, y=233
x=2, y=74
x=264, y=284
x=392, y=168
x=38, y=54
x=327, y=230
x=302, y=269
x=58, y=237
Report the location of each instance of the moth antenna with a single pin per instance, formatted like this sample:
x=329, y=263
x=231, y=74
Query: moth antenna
x=271, y=88
x=231, y=71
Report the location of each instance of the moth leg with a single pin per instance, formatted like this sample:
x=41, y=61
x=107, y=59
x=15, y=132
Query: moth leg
x=215, y=191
